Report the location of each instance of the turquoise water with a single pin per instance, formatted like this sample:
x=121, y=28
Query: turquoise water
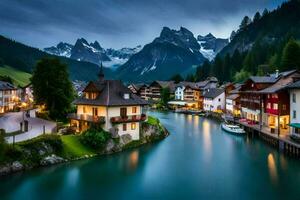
x=197, y=161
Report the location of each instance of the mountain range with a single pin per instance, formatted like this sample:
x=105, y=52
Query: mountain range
x=93, y=52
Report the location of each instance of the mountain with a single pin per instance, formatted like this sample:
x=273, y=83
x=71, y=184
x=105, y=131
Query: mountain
x=93, y=52
x=210, y=45
x=173, y=52
x=269, y=28
x=24, y=58
x=61, y=49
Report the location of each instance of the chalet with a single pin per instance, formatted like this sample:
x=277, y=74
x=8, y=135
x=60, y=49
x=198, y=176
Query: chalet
x=214, y=100
x=8, y=97
x=233, y=106
x=294, y=91
x=187, y=95
x=141, y=90
x=210, y=82
x=111, y=104
x=156, y=86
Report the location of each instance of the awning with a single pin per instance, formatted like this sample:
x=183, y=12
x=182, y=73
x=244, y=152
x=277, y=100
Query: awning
x=295, y=125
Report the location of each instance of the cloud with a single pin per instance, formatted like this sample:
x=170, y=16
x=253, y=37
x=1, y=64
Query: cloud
x=117, y=23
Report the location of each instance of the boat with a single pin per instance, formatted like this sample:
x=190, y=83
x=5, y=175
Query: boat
x=232, y=129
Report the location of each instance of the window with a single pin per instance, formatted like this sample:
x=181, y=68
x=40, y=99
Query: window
x=268, y=105
x=126, y=96
x=134, y=109
x=294, y=98
x=275, y=106
x=124, y=127
x=123, y=112
x=83, y=109
x=283, y=107
x=294, y=114
x=219, y=99
x=95, y=111
x=297, y=130
x=133, y=126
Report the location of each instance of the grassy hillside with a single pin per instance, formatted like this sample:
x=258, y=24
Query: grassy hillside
x=19, y=78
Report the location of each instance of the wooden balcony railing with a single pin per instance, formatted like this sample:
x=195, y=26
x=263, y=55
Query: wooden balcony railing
x=87, y=118
x=131, y=118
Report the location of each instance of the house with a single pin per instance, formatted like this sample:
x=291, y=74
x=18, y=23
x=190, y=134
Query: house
x=187, y=96
x=8, y=97
x=110, y=104
x=214, y=100
x=210, y=82
x=250, y=99
x=141, y=90
x=27, y=94
x=294, y=92
x=276, y=102
x=233, y=106
x=156, y=86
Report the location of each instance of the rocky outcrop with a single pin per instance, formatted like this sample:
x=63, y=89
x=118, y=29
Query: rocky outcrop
x=17, y=166
x=51, y=160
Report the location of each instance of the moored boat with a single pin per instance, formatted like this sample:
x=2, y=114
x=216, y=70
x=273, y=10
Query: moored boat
x=232, y=129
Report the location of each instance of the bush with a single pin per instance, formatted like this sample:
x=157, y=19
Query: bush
x=53, y=140
x=12, y=153
x=95, y=137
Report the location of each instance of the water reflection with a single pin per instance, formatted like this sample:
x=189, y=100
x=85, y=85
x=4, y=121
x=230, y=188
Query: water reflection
x=72, y=177
x=272, y=169
x=133, y=160
x=207, y=137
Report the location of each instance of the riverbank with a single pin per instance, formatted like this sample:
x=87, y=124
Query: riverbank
x=50, y=149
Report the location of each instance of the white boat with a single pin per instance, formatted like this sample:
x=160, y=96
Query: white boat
x=232, y=129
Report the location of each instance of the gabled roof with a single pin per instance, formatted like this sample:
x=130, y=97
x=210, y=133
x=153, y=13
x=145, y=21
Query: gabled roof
x=233, y=96
x=111, y=94
x=187, y=84
x=213, y=93
x=295, y=85
x=6, y=86
x=264, y=79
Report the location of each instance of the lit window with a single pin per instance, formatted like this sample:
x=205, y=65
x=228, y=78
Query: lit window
x=268, y=105
x=83, y=109
x=275, y=106
x=133, y=126
x=134, y=109
x=124, y=127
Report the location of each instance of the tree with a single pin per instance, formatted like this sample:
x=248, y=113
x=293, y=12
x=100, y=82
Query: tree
x=256, y=17
x=241, y=76
x=245, y=22
x=190, y=77
x=165, y=96
x=6, y=79
x=265, y=12
x=203, y=71
x=52, y=87
x=232, y=35
x=176, y=78
x=291, y=56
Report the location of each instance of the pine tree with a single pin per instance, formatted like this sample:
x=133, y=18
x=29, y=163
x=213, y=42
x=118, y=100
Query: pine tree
x=265, y=12
x=177, y=78
x=232, y=35
x=256, y=17
x=291, y=56
x=245, y=22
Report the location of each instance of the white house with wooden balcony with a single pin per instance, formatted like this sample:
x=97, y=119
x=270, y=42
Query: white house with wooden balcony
x=8, y=97
x=110, y=103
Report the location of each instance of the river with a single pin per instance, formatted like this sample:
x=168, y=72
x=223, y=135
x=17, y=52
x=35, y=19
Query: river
x=198, y=160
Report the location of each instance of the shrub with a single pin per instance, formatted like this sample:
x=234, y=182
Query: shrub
x=95, y=137
x=12, y=153
x=51, y=139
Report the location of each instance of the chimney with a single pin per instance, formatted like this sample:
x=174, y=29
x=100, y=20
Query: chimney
x=101, y=74
x=277, y=73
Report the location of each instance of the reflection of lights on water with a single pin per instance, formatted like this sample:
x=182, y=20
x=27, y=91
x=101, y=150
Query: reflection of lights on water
x=206, y=135
x=72, y=177
x=272, y=168
x=133, y=160
x=196, y=121
x=190, y=118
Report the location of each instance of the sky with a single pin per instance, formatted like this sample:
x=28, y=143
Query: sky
x=120, y=23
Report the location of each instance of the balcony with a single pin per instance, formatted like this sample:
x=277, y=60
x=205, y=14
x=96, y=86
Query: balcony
x=126, y=119
x=87, y=118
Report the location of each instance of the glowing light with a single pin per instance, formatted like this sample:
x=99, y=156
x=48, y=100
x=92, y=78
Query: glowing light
x=272, y=168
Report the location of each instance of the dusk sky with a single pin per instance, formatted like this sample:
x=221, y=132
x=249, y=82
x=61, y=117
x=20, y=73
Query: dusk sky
x=119, y=23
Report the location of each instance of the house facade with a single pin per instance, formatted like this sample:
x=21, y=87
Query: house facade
x=294, y=92
x=110, y=104
x=214, y=100
x=8, y=97
x=156, y=86
x=233, y=106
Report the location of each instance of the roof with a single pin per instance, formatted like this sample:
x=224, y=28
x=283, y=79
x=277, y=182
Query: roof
x=187, y=84
x=295, y=85
x=264, y=79
x=233, y=96
x=285, y=73
x=213, y=92
x=166, y=84
x=6, y=86
x=111, y=94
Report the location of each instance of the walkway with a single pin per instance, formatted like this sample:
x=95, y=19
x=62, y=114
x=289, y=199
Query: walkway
x=10, y=122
